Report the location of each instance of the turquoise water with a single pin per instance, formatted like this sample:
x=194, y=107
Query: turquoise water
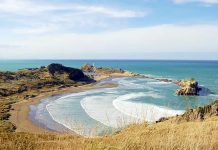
x=133, y=100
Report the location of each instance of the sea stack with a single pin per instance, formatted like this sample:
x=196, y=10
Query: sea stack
x=188, y=87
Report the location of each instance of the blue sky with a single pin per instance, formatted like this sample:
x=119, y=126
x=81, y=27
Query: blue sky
x=115, y=29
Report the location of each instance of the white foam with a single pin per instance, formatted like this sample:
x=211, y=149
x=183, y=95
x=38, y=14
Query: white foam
x=129, y=84
x=142, y=111
x=101, y=109
x=159, y=83
x=152, y=94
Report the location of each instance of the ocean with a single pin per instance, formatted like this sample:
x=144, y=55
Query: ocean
x=98, y=111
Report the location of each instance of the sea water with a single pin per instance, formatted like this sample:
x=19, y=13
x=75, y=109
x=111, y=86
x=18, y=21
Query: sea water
x=135, y=100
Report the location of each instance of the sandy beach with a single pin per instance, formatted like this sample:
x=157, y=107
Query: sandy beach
x=20, y=110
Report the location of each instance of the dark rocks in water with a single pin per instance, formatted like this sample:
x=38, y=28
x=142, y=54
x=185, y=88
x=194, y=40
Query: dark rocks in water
x=188, y=87
x=204, y=91
x=74, y=74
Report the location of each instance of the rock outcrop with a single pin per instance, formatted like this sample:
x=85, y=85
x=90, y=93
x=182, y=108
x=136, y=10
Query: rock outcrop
x=72, y=73
x=188, y=87
x=37, y=78
x=200, y=113
x=88, y=68
x=108, y=70
x=101, y=70
x=197, y=114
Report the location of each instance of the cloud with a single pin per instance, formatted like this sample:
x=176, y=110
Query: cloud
x=39, y=17
x=34, y=30
x=4, y=46
x=129, y=43
x=29, y=7
x=200, y=1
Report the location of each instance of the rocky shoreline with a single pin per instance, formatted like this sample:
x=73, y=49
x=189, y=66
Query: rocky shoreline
x=187, y=87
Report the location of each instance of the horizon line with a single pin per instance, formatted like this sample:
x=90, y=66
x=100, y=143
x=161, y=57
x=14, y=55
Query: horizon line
x=65, y=59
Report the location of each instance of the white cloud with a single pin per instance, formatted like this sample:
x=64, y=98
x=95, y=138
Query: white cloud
x=200, y=1
x=29, y=7
x=34, y=30
x=38, y=17
x=128, y=43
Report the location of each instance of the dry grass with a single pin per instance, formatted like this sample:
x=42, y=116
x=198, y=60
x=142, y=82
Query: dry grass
x=164, y=135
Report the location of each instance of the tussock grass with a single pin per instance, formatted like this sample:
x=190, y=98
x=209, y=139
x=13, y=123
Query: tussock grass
x=164, y=135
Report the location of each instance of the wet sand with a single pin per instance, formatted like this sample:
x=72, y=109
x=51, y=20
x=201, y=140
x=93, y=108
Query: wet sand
x=20, y=111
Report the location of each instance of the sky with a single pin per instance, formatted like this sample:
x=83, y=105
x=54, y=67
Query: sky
x=103, y=29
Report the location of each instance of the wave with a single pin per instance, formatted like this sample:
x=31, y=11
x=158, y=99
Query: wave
x=159, y=83
x=133, y=83
x=67, y=111
x=142, y=111
x=100, y=108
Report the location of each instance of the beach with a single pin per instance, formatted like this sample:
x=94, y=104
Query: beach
x=20, y=110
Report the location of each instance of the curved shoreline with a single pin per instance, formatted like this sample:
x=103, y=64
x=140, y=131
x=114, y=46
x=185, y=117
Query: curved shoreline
x=20, y=111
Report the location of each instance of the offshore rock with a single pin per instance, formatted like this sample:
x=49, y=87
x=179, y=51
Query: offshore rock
x=188, y=87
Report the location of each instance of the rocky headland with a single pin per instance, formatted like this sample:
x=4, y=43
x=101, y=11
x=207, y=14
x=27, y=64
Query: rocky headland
x=100, y=73
x=37, y=78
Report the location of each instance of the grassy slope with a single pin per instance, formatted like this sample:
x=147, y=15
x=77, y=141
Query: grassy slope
x=164, y=135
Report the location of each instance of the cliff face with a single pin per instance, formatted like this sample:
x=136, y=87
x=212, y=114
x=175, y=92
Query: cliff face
x=188, y=87
x=56, y=70
x=36, y=78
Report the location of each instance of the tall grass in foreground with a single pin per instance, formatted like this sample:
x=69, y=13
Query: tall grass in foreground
x=165, y=135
